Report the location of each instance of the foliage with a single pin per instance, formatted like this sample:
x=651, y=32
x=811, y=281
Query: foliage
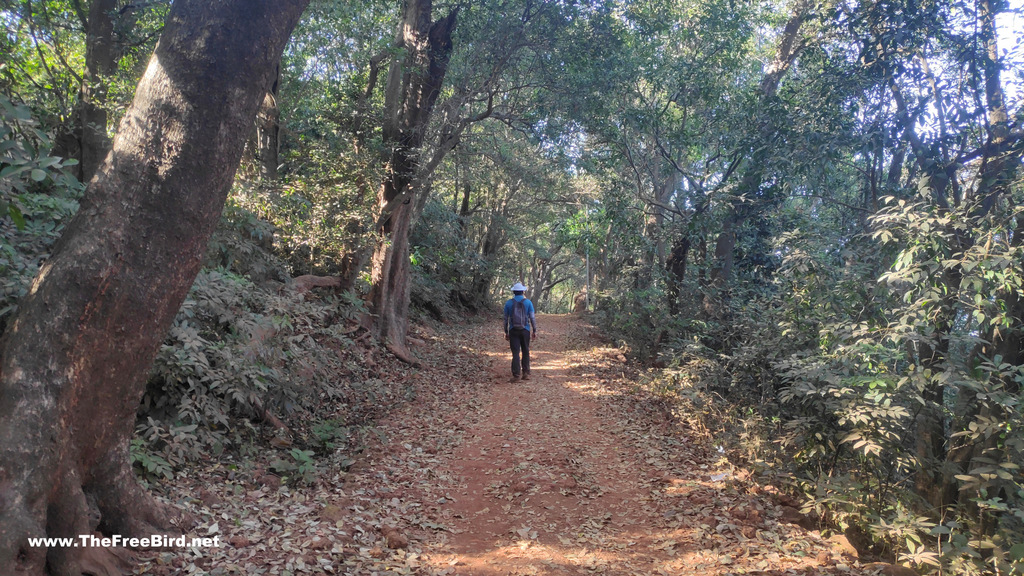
x=240, y=354
x=637, y=320
x=444, y=262
x=299, y=465
x=312, y=226
x=44, y=46
x=151, y=464
x=37, y=199
x=852, y=325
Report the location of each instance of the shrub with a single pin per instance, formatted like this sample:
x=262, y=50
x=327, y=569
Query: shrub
x=38, y=197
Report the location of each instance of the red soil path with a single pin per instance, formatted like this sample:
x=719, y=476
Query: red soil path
x=563, y=474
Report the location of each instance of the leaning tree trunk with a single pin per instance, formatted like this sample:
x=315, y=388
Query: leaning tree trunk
x=73, y=363
x=413, y=85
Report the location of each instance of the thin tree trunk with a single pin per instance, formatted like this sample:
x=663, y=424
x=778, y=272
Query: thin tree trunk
x=664, y=186
x=413, y=86
x=677, y=272
x=999, y=165
x=934, y=481
x=464, y=208
x=100, y=64
x=998, y=169
x=268, y=129
x=73, y=362
x=721, y=271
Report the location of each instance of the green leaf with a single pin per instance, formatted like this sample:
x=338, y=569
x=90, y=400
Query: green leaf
x=38, y=175
x=13, y=170
x=17, y=216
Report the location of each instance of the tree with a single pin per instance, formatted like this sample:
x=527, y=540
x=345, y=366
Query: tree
x=755, y=167
x=70, y=57
x=100, y=61
x=75, y=358
x=423, y=48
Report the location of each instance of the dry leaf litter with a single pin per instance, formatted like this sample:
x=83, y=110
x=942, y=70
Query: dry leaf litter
x=571, y=472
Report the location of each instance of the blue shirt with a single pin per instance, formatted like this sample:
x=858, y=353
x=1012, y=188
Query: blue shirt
x=530, y=314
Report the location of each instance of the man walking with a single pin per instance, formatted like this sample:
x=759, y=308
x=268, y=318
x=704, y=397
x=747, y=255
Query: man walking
x=520, y=327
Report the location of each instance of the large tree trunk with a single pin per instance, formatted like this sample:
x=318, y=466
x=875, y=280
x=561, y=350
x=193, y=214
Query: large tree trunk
x=414, y=83
x=73, y=363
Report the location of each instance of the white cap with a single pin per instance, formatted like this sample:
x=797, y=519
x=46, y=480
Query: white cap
x=518, y=287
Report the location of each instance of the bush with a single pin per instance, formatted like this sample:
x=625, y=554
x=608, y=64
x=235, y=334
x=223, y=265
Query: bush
x=240, y=354
x=445, y=263
x=38, y=197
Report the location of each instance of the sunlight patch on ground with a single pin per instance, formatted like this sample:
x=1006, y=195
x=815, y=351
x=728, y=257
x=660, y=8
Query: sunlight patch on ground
x=530, y=556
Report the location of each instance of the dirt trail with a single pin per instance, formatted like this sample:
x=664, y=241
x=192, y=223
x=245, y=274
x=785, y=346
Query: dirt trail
x=548, y=484
x=573, y=472
x=563, y=474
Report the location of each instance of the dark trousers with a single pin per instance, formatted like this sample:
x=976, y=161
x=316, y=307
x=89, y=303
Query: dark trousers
x=519, y=339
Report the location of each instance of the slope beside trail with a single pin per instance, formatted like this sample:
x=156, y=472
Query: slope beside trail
x=572, y=472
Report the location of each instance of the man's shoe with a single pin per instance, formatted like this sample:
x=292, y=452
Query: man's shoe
x=514, y=378
x=526, y=375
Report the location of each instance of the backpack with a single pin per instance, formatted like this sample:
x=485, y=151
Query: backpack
x=519, y=319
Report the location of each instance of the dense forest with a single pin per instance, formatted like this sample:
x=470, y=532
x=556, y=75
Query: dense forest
x=802, y=220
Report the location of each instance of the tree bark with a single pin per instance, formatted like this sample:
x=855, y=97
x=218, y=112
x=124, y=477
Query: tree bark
x=493, y=240
x=268, y=129
x=664, y=186
x=998, y=166
x=721, y=271
x=413, y=86
x=676, y=267
x=73, y=362
x=100, y=63
x=934, y=481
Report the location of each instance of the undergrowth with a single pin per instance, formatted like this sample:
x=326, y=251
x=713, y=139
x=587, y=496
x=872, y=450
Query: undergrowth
x=822, y=394
x=250, y=364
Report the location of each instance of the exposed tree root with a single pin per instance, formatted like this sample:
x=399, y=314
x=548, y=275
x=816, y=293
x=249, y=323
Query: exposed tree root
x=403, y=353
x=107, y=561
x=305, y=283
x=116, y=506
x=16, y=524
